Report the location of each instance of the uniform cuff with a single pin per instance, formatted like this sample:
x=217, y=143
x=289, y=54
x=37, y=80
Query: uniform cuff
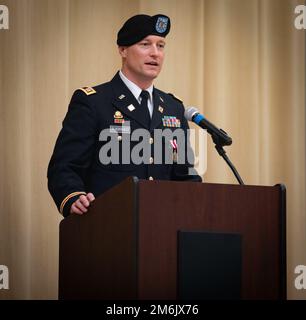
x=67, y=202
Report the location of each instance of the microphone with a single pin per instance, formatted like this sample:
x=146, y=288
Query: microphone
x=219, y=136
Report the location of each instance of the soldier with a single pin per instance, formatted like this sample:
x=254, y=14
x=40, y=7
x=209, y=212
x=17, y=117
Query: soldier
x=77, y=170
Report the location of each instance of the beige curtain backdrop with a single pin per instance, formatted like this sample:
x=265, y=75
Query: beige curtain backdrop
x=241, y=62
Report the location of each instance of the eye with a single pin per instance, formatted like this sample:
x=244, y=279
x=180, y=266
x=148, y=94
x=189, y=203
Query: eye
x=144, y=44
x=161, y=45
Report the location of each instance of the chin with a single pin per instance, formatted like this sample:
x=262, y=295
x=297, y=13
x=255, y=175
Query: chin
x=151, y=75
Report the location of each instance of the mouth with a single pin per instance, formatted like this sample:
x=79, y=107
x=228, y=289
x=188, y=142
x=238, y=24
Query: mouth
x=152, y=63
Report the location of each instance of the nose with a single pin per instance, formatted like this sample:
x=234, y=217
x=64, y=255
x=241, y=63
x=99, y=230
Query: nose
x=154, y=50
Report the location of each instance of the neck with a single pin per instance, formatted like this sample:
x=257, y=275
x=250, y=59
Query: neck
x=142, y=83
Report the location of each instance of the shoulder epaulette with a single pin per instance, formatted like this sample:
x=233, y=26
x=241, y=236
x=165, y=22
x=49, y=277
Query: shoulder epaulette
x=88, y=90
x=175, y=97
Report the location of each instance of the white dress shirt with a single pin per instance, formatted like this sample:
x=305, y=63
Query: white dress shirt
x=136, y=91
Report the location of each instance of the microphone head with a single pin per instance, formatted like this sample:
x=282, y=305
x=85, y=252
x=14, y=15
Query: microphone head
x=190, y=113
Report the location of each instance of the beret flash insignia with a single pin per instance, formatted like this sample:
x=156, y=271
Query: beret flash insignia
x=161, y=24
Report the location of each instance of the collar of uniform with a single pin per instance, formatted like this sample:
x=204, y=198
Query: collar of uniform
x=123, y=97
x=136, y=91
x=159, y=109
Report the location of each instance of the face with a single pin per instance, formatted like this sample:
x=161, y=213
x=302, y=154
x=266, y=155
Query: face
x=142, y=62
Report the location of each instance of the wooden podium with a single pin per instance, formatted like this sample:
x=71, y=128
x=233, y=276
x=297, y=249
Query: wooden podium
x=176, y=240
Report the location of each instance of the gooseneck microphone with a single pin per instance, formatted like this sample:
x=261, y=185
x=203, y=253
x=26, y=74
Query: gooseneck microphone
x=219, y=136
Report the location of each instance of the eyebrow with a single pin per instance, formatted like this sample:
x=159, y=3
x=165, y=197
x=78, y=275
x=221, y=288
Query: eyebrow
x=148, y=40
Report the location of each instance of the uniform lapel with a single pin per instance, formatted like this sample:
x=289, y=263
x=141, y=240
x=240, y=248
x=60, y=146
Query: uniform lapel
x=125, y=101
x=158, y=109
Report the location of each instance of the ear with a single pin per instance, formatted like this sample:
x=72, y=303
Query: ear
x=122, y=51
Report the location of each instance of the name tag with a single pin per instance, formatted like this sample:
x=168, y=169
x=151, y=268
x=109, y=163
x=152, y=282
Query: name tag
x=120, y=129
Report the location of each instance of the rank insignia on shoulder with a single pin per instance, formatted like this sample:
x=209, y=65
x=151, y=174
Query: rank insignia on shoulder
x=175, y=97
x=88, y=90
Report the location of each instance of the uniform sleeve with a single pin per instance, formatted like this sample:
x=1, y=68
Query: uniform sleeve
x=180, y=172
x=73, y=153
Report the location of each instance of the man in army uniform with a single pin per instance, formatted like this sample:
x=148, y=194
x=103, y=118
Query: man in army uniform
x=76, y=173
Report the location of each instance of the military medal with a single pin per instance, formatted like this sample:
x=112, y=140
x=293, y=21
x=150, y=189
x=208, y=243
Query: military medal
x=171, y=122
x=174, y=149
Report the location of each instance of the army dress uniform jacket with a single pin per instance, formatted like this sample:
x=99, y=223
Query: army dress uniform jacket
x=75, y=167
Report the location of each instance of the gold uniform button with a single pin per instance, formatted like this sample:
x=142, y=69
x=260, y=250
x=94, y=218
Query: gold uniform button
x=151, y=178
x=151, y=141
x=151, y=160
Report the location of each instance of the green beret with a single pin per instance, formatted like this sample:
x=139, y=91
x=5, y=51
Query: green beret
x=138, y=27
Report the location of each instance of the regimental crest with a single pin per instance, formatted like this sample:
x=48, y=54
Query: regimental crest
x=161, y=24
x=118, y=117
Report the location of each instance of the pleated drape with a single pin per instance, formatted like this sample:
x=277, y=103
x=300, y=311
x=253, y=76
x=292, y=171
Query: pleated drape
x=241, y=62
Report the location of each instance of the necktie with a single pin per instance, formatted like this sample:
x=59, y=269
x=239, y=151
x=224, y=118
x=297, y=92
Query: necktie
x=144, y=106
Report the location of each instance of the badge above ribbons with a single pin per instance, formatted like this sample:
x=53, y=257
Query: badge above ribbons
x=118, y=117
